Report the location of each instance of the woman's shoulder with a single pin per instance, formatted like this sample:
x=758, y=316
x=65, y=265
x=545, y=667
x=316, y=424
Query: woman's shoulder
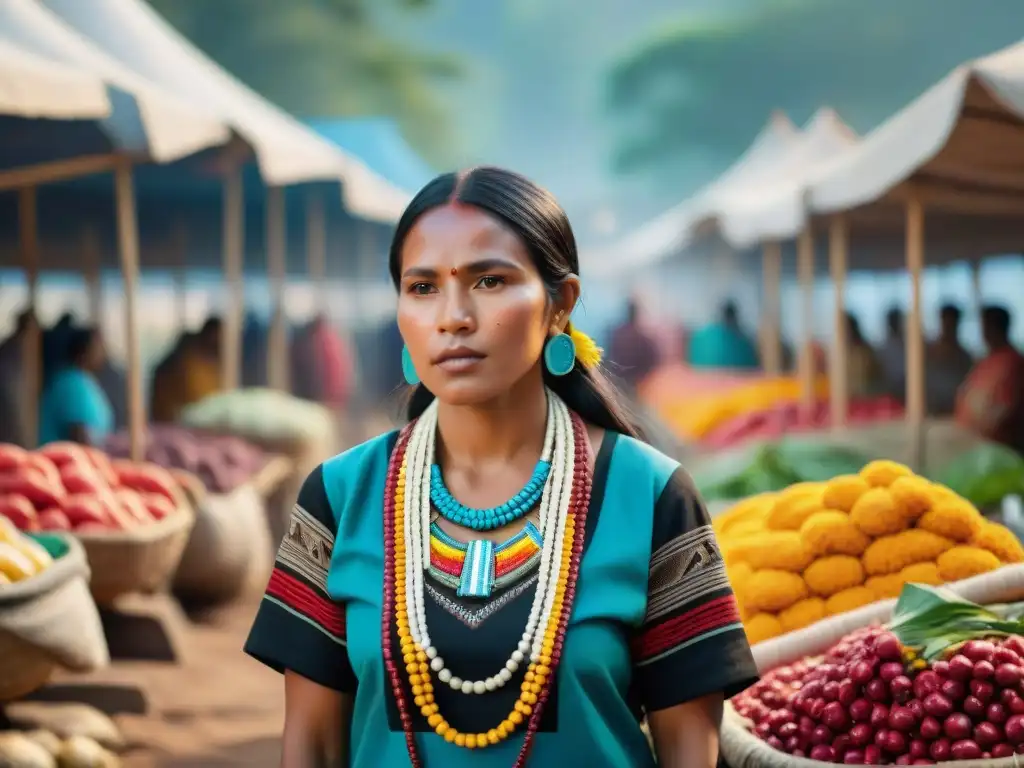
x=632, y=461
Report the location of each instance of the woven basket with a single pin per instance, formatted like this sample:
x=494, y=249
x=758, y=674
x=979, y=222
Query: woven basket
x=24, y=668
x=49, y=621
x=141, y=559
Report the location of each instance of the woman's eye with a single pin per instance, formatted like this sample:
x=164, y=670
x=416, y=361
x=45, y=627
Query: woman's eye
x=421, y=289
x=491, y=281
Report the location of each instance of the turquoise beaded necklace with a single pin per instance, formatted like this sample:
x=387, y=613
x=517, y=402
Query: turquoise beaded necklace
x=515, y=508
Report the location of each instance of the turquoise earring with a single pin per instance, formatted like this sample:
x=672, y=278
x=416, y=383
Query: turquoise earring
x=560, y=354
x=408, y=369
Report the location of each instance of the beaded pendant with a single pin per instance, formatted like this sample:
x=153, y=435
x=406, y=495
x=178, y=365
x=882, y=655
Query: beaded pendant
x=515, y=508
x=475, y=569
x=407, y=556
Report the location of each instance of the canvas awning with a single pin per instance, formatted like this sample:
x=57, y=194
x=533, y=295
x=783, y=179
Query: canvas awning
x=769, y=208
x=958, y=147
x=673, y=230
x=287, y=151
x=145, y=119
x=34, y=87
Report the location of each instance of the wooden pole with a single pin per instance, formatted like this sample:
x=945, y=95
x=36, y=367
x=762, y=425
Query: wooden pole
x=179, y=240
x=805, y=278
x=128, y=248
x=915, y=336
x=771, y=354
x=277, y=352
x=58, y=170
x=32, y=350
x=234, y=254
x=316, y=249
x=93, y=263
x=839, y=391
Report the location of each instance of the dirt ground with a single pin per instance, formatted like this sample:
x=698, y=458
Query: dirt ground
x=204, y=705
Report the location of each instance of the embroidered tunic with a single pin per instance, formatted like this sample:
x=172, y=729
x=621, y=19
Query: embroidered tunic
x=654, y=622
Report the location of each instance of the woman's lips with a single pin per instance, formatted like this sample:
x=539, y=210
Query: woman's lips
x=460, y=363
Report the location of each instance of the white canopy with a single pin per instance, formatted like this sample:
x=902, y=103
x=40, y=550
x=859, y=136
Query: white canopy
x=958, y=146
x=671, y=231
x=171, y=128
x=770, y=208
x=34, y=87
x=287, y=151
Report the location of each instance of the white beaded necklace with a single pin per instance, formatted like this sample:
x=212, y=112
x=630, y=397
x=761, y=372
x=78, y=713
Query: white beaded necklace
x=559, y=445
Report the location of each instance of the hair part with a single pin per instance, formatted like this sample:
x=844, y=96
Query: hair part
x=537, y=219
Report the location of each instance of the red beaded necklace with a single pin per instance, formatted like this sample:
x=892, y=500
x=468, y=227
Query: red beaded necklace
x=578, y=506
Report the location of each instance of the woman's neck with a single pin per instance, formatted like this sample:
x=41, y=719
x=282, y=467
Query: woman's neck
x=501, y=431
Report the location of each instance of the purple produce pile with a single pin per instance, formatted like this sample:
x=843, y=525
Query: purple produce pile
x=221, y=462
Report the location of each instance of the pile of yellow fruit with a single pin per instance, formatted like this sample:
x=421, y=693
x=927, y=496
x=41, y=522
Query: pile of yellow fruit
x=819, y=549
x=20, y=556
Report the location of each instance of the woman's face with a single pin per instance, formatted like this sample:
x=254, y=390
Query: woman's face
x=472, y=308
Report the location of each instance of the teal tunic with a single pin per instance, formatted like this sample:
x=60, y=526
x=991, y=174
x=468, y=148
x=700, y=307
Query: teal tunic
x=654, y=623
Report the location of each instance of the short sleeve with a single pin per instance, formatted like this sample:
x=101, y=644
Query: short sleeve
x=692, y=642
x=298, y=627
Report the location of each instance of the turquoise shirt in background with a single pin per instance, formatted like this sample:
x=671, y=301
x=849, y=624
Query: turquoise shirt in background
x=719, y=346
x=74, y=397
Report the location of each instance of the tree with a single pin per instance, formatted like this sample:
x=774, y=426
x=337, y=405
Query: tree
x=708, y=83
x=319, y=58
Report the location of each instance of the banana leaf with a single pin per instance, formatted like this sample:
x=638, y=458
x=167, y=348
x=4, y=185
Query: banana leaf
x=933, y=620
x=817, y=461
x=985, y=475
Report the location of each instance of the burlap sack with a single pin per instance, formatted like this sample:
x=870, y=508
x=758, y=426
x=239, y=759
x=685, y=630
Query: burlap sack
x=229, y=550
x=55, y=612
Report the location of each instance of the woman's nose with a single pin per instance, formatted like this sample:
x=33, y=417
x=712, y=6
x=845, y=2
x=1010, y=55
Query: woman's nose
x=456, y=313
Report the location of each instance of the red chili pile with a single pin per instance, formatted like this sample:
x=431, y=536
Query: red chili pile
x=868, y=701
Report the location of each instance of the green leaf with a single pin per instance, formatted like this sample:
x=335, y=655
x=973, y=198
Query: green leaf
x=984, y=475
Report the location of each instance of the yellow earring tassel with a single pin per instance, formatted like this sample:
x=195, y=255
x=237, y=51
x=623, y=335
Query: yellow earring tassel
x=587, y=352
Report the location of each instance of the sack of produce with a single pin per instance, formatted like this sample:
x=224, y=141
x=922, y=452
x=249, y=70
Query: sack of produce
x=221, y=462
x=47, y=616
x=942, y=682
x=266, y=417
x=820, y=549
x=132, y=518
x=229, y=551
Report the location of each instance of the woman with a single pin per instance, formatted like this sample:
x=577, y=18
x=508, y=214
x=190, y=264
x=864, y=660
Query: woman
x=545, y=576
x=74, y=406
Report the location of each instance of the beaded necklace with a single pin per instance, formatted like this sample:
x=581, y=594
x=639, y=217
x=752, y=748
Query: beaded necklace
x=563, y=508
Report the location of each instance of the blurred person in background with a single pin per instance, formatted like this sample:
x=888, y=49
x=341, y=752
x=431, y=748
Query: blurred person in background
x=893, y=355
x=723, y=344
x=321, y=364
x=74, y=406
x=864, y=373
x=55, y=345
x=14, y=425
x=948, y=363
x=633, y=352
x=190, y=373
x=991, y=400
x=255, y=337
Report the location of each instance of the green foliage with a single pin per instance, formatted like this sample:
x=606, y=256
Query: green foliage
x=933, y=620
x=319, y=58
x=709, y=81
x=985, y=475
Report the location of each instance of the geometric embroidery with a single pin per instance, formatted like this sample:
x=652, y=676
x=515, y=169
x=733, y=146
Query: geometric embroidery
x=474, y=617
x=307, y=548
x=686, y=569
